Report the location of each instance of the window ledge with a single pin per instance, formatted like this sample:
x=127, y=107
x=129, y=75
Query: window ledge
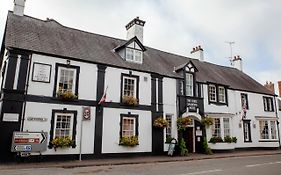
x=269, y=140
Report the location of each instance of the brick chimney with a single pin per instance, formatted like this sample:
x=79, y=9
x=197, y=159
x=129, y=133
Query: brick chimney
x=270, y=86
x=19, y=7
x=237, y=63
x=135, y=28
x=279, y=88
x=198, y=53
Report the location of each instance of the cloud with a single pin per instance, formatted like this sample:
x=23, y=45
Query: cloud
x=177, y=26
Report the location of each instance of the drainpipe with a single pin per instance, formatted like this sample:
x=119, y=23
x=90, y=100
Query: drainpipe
x=278, y=130
x=25, y=93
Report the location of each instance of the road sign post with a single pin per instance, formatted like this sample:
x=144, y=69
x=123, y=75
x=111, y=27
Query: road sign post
x=29, y=142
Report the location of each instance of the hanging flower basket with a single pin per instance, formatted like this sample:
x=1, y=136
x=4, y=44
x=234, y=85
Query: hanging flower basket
x=129, y=141
x=160, y=122
x=66, y=95
x=183, y=122
x=62, y=142
x=207, y=121
x=130, y=100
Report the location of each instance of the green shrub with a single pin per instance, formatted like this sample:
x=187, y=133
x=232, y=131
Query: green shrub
x=227, y=139
x=207, y=149
x=234, y=139
x=216, y=140
x=62, y=142
x=183, y=149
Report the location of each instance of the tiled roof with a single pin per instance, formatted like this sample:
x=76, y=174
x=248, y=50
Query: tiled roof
x=50, y=37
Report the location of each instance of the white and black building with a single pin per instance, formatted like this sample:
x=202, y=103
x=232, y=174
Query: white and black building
x=40, y=58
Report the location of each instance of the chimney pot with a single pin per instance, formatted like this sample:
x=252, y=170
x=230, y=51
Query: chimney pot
x=197, y=52
x=135, y=29
x=279, y=88
x=19, y=7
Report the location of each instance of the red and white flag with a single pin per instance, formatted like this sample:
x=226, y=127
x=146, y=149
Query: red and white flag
x=103, y=98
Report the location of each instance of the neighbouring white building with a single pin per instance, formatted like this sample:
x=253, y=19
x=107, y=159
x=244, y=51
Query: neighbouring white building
x=54, y=80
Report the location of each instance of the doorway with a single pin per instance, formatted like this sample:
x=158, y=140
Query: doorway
x=188, y=136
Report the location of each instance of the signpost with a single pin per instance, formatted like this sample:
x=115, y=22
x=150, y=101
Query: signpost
x=29, y=142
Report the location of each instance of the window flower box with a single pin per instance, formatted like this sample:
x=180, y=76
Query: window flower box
x=62, y=142
x=160, y=122
x=129, y=141
x=217, y=143
x=130, y=100
x=222, y=146
x=66, y=95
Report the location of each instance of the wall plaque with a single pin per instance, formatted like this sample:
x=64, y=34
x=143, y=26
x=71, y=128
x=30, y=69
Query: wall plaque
x=41, y=72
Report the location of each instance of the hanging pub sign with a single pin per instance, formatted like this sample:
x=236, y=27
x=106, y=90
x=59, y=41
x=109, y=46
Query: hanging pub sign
x=86, y=113
x=192, y=105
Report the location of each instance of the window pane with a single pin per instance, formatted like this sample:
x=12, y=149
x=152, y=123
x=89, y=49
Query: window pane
x=128, y=126
x=129, y=86
x=189, y=84
x=129, y=54
x=221, y=94
x=226, y=127
x=212, y=93
x=216, y=131
x=63, y=125
x=169, y=126
x=264, y=129
x=66, y=80
x=273, y=130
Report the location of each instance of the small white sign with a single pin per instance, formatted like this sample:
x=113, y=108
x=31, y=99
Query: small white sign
x=37, y=119
x=10, y=117
x=198, y=133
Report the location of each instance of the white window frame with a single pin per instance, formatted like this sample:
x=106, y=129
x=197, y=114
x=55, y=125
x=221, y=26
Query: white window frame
x=268, y=104
x=246, y=131
x=70, y=124
x=189, y=85
x=135, y=85
x=60, y=68
x=132, y=57
x=169, y=126
x=272, y=127
x=222, y=127
x=221, y=94
x=212, y=93
x=132, y=128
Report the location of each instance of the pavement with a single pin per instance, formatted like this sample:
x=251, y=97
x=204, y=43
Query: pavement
x=136, y=160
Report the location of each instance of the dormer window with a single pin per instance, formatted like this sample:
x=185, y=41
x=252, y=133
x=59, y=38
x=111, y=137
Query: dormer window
x=131, y=51
x=133, y=55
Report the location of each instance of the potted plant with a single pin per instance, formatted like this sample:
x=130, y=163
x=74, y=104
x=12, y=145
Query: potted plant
x=62, y=142
x=206, y=148
x=66, y=95
x=160, y=122
x=129, y=141
x=183, y=122
x=129, y=100
x=207, y=121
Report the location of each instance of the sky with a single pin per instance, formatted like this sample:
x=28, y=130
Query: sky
x=177, y=26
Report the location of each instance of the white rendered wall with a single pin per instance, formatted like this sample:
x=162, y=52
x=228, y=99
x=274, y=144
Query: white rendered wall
x=113, y=81
x=111, y=131
x=87, y=78
x=256, y=108
x=169, y=105
x=43, y=110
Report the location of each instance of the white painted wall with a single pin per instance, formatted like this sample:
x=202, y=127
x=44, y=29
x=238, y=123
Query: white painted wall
x=44, y=110
x=256, y=108
x=169, y=105
x=87, y=78
x=113, y=81
x=111, y=131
